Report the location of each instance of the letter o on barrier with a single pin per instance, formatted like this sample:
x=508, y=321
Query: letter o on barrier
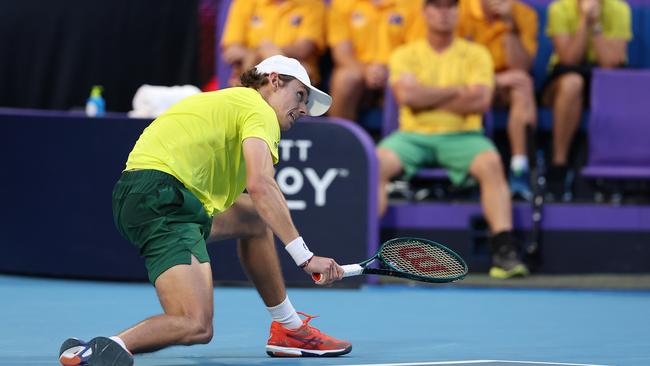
x=290, y=180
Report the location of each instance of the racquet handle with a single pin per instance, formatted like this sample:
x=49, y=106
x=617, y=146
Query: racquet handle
x=348, y=271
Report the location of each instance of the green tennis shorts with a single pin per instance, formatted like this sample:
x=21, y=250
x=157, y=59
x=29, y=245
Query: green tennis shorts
x=168, y=224
x=452, y=151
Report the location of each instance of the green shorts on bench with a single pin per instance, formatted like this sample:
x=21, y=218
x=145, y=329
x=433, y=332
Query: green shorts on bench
x=452, y=151
x=168, y=224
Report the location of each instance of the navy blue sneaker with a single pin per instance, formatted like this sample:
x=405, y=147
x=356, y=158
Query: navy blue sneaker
x=100, y=351
x=74, y=352
x=520, y=185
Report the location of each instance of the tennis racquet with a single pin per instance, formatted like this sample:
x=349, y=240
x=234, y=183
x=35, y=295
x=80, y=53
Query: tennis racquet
x=412, y=258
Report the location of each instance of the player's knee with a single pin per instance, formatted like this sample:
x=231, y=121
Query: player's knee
x=389, y=163
x=254, y=223
x=254, y=228
x=523, y=81
x=491, y=160
x=571, y=84
x=487, y=165
x=201, y=332
x=204, y=334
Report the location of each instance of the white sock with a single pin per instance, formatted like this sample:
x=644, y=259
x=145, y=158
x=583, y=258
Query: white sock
x=119, y=341
x=518, y=163
x=285, y=314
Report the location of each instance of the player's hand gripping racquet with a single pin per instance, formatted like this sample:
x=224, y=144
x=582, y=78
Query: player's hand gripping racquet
x=412, y=258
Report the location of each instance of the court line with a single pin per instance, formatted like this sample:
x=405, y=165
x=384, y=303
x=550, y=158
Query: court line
x=467, y=362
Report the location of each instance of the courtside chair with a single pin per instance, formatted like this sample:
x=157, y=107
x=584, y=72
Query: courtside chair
x=619, y=127
x=619, y=132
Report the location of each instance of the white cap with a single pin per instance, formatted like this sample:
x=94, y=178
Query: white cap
x=318, y=102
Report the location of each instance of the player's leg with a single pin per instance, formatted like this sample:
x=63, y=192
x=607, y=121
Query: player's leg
x=487, y=168
x=256, y=248
x=401, y=152
x=389, y=167
x=346, y=88
x=565, y=96
x=168, y=224
x=516, y=89
x=475, y=154
x=497, y=207
x=567, y=109
x=186, y=296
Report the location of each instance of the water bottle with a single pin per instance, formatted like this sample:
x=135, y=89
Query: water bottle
x=95, y=106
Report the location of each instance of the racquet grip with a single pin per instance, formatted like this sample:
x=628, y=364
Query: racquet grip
x=348, y=271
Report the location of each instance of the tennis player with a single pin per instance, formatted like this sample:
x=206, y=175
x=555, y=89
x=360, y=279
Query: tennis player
x=183, y=186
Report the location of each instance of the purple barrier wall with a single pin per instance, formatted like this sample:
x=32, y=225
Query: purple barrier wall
x=576, y=238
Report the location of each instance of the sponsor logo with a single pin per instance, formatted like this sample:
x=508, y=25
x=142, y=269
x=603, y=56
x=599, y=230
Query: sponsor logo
x=293, y=180
x=306, y=341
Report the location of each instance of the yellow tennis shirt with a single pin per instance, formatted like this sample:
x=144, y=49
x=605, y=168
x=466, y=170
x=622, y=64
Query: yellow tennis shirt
x=199, y=141
x=564, y=17
x=462, y=63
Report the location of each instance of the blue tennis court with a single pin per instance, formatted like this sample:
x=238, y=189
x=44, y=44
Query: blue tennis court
x=388, y=325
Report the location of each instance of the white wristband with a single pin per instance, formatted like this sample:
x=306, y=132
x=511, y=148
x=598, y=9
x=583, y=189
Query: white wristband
x=299, y=251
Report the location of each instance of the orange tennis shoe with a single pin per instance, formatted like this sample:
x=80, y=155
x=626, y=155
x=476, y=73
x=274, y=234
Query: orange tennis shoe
x=305, y=341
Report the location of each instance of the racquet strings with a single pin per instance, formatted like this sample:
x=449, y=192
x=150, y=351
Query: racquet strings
x=422, y=259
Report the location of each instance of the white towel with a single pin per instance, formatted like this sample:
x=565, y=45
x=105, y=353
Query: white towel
x=151, y=100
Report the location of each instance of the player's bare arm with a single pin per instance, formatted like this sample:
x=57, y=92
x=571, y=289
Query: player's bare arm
x=517, y=57
x=571, y=48
x=272, y=207
x=264, y=191
x=610, y=52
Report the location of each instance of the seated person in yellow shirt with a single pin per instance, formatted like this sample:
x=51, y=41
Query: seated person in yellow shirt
x=443, y=84
x=508, y=28
x=182, y=187
x=585, y=34
x=257, y=29
x=361, y=34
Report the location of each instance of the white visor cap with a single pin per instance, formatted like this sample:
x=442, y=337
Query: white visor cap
x=318, y=102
